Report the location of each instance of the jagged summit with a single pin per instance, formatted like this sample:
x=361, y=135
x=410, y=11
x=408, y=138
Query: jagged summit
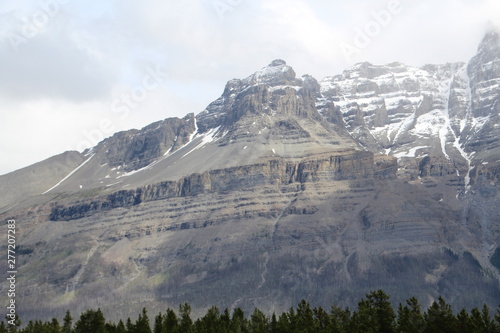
x=270, y=104
x=269, y=114
x=380, y=177
x=275, y=74
x=488, y=53
x=490, y=41
x=277, y=63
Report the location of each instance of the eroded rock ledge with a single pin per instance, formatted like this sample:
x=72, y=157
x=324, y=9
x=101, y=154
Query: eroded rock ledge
x=340, y=165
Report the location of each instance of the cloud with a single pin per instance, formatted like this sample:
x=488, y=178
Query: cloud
x=48, y=62
x=55, y=68
x=89, y=53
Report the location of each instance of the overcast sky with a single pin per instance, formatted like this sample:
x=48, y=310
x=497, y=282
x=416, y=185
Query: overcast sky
x=75, y=71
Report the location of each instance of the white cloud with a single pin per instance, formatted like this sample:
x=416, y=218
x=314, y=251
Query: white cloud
x=64, y=80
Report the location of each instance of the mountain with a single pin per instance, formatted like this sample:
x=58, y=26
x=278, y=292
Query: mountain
x=285, y=187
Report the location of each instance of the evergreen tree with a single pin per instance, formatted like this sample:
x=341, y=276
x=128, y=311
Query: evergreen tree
x=54, y=326
x=110, y=327
x=91, y=322
x=129, y=326
x=464, y=324
x=210, y=322
x=305, y=318
x=142, y=323
x=374, y=314
x=33, y=327
x=497, y=320
x=476, y=322
x=273, y=324
x=67, y=323
x=239, y=322
x=384, y=313
x=186, y=323
x=365, y=319
x=292, y=320
x=225, y=321
x=321, y=320
x=170, y=321
x=158, y=323
x=480, y=321
x=489, y=324
x=439, y=318
x=120, y=328
x=341, y=320
x=410, y=317
x=30, y=328
x=283, y=325
x=259, y=322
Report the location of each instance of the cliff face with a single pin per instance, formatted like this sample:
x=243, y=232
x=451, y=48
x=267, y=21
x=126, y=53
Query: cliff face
x=343, y=165
x=136, y=149
x=281, y=189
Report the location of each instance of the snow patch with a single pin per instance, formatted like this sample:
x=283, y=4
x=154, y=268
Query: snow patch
x=89, y=152
x=205, y=138
x=70, y=174
x=409, y=153
x=126, y=174
x=405, y=126
x=169, y=150
x=446, y=128
x=428, y=124
x=282, y=87
x=109, y=185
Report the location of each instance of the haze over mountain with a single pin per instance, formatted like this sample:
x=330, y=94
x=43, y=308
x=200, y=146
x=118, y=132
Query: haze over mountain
x=383, y=176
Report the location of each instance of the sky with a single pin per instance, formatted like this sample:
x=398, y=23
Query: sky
x=73, y=72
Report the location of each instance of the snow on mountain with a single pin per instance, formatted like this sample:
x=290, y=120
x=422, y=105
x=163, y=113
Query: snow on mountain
x=396, y=168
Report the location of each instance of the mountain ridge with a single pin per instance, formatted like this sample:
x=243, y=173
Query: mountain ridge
x=384, y=176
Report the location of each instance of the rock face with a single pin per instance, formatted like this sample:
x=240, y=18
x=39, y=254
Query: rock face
x=341, y=166
x=484, y=73
x=281, y=189
x=136, y=149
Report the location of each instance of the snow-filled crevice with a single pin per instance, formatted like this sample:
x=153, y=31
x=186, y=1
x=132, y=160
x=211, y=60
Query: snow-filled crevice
x=448, y=129
x=70, y=174
x=206, y=137
x=443, y=131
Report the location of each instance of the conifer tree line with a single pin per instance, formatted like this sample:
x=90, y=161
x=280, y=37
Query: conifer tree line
x=374, y=314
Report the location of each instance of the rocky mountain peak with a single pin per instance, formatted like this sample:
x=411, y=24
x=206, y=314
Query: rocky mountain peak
x=491, y=41
x=272, y=90
x=487, y=58
x=275, y=74
x=284, y=185
x=277, y=63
